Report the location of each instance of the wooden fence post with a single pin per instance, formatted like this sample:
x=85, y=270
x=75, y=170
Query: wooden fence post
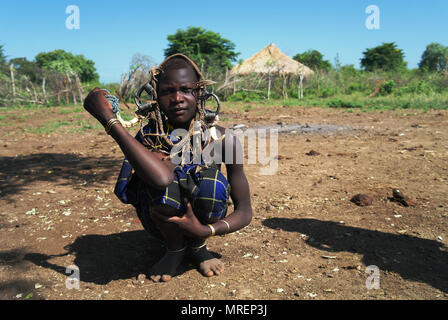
x=78, y=85
x=11, y=70
x=44, y=92
x=70, y=87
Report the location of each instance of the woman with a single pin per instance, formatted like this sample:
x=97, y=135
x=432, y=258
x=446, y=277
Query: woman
x=148, y=181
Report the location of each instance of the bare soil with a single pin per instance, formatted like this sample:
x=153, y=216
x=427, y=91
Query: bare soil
x=307, y=240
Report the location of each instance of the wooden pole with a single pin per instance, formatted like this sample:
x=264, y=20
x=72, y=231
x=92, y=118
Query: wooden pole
x=44, y=92
x=300, y=87
x=284, y=92
x=36, y=100
x=66, y=91
x=78, y=85
x=269, y=84
x=70, y=88
x=11, y=70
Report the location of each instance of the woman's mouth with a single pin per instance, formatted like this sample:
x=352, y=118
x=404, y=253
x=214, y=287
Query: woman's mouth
x=178, y=111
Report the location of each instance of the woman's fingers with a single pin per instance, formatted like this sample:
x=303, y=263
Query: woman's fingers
x=188, y=207
x=164, y=218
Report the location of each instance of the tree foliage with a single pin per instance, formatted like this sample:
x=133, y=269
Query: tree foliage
x=62, y=61
x=314, y=60
x=385, y=57
x=435, y=58
x=207, y=48
x=27, y=68
x=3, y=64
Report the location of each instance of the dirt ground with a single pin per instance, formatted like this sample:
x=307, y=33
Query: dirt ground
x=307, y=240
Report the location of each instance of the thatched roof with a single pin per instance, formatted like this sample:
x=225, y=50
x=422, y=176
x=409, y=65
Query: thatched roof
x=273, y=60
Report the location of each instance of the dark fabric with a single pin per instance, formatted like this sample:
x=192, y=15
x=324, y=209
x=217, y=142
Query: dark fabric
x=206, y=188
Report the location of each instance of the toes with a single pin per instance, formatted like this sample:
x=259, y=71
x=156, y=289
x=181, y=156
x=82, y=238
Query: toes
x=207, y=271
x=166, y=278
x=212, y=268
x=161, y=278
x=155, y=278
x=218, y=268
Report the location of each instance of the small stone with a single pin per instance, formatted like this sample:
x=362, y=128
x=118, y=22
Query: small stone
x=32, y=212
x=37, y=286
x=362, y=200
x=312, y=153
x=399, y=197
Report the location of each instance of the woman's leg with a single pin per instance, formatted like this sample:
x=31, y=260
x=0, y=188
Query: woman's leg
x=206, y=263
x=166, y=267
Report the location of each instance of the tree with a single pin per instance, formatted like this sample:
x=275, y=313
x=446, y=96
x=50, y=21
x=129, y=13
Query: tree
x=28, y=68
x=385, y=57
x=62, y=61
x=141, y=61
x=208, y=49
x=435, y=58
x=314, y=60
x=3, y=63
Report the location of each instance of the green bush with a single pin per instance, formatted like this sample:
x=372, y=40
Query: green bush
x=245, y=96
x=387, y=87
x=327, y=92
x=338, y=103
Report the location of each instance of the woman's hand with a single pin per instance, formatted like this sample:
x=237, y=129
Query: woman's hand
x=98, y=106
x=188, y=222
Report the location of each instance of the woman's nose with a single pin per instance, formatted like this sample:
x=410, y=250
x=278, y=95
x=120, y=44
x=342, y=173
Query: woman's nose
x=178, y=96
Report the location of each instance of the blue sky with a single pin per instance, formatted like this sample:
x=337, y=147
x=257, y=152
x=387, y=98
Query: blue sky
x=111, y=32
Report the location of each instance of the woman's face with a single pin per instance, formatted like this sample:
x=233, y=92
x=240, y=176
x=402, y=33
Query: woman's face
x=177, y=96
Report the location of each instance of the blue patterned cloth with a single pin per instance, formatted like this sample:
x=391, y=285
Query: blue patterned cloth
x=207, y=190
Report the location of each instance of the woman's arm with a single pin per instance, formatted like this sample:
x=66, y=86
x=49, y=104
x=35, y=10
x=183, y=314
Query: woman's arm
x=240, y=194
x=148, y=165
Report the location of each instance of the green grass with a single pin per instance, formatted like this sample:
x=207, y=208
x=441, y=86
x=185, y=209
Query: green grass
x=49, y=127
x=71, y=110
x=74, y=119
x=354, y=102
x=63, y=126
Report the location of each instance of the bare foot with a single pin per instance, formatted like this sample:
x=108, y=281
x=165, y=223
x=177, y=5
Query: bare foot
x=206, y=263
x=163, y=270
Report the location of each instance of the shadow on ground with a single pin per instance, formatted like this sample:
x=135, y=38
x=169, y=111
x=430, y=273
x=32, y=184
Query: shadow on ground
x=103, y=258
x=59, y=169
x=413, y=258
x=16, y=288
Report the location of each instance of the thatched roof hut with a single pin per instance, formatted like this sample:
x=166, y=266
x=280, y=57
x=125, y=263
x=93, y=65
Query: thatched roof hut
x=271, y=60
